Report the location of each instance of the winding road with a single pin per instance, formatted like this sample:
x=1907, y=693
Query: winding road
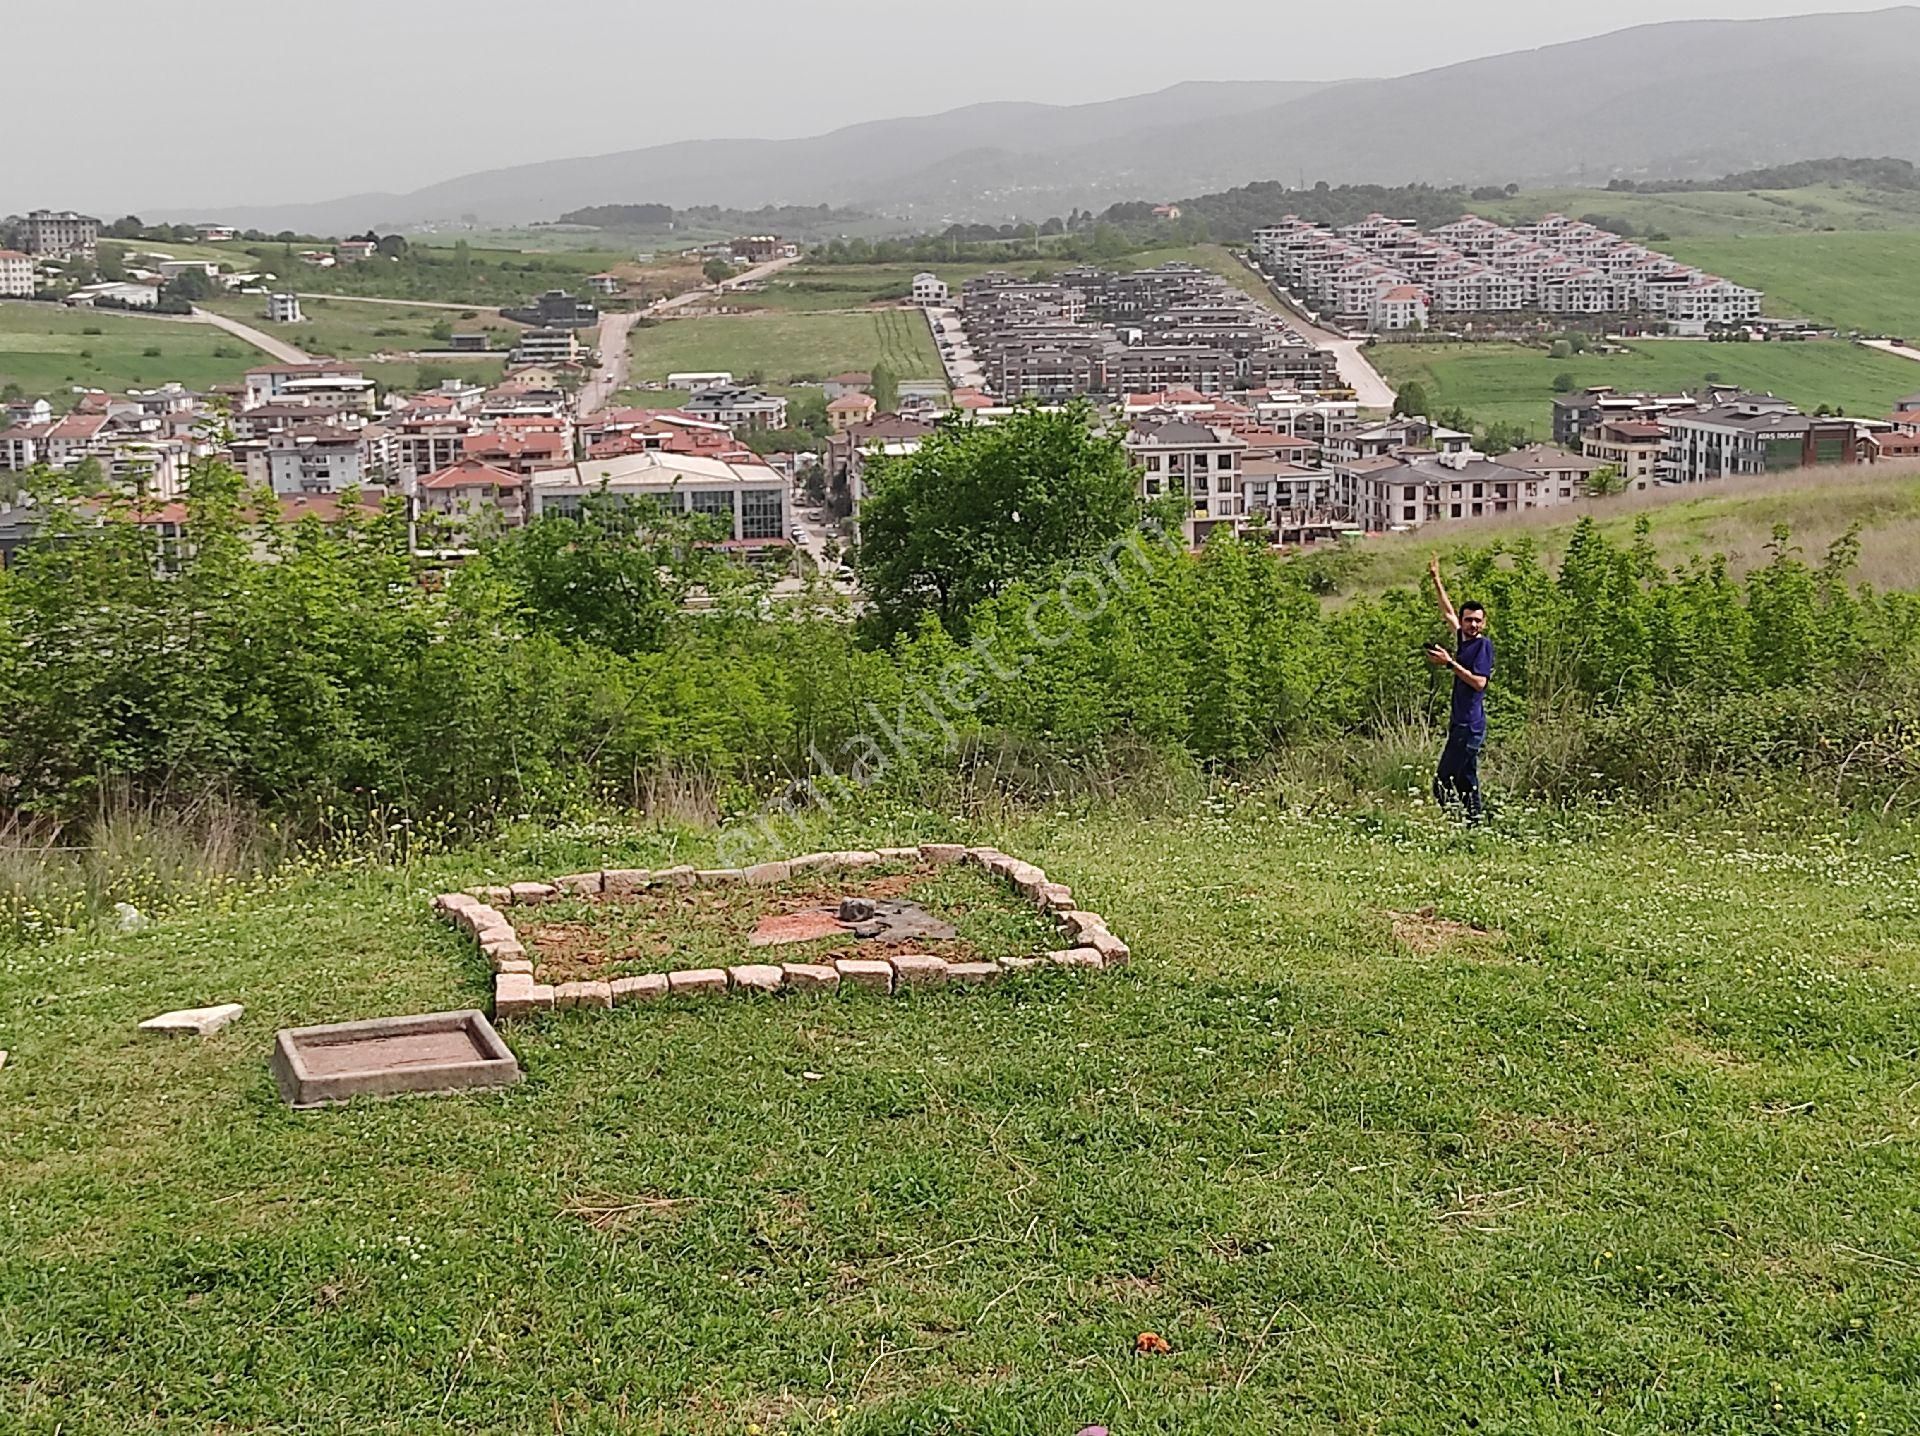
x=259, y=339
x=1370, y=389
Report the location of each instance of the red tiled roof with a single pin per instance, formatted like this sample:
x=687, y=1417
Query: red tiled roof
x=472, y=473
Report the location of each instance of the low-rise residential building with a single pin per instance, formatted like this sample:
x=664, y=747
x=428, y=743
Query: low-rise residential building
x=16, y=275
x=323, y=384
x=1550, y=466
x=607, y=284
x=738, y=408
x=463, y=492
x=749, y=501
x=356, y=251
x=850, y=409
x=930, y=291
x=1411, y=489
x=58, y=444
x=321, y=459
x=284, y=309
x=556, y=309
x=546, y=346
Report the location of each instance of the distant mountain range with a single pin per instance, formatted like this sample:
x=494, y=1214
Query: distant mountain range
x=1685, y=99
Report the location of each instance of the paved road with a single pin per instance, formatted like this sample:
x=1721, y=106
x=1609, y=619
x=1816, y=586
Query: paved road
x=266, y=343
x=1356, y=370
x=611, y=377
x=404, y=303
x=1887, y=346
x=708, y=291
x=963, y=368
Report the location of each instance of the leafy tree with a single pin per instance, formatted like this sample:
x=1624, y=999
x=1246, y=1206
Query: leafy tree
x=1412, y=400
x=978, y=508
x=1606, y=481
x=885, y=389
x=1564, y=383
x=1500, y=438
x=717, y=270
x=191, y=285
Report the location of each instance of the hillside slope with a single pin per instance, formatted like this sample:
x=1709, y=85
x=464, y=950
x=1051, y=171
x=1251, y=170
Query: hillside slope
x=1682, y=99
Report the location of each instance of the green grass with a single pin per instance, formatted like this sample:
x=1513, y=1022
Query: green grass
x=44, y=348
x=1751, y=212
x=1514, y=383
x=1640, y=1160
x=353, y=329
x=1735, y=519
x=1869, y=282
x=785, y=347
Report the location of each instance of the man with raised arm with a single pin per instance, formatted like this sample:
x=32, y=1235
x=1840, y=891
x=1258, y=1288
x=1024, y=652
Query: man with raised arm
x=1458, y=777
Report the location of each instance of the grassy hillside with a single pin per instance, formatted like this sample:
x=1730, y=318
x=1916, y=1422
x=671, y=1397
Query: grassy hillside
x=1515, y=383
x=784, y=347
x=353, y=329
x=1810, y=210
x=1869, y=282
x=1735, y=518
x=47, y=349
x=1619, y=1138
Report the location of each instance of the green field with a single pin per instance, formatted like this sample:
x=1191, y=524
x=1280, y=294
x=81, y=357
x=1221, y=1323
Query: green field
x=1869, y=282
x=1735, y=519
x=356, y=329
x=1514, y=383
x=1810, y=210
x=782, y=348
x=1619, y=1139
x=46, y=350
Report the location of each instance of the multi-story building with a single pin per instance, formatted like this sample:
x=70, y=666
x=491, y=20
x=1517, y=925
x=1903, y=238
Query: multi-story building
x=546, y=346
x=16, y=275
x=930, y=291
x=320, y=459
x=749, y=501
x=1632, y=446
x=322, y=384
x=463, y=492
x=284, y=309
x=60, y=234
x=1197, y=461
x=58, y=444
x=556, y=309
x=1756, y=434
x=1410, y=489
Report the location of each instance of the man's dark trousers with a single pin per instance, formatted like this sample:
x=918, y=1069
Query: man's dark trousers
x=1458, y=778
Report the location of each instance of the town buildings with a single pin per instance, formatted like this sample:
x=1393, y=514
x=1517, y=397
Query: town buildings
x=1095, y=333
x=59, y=234
x=16, y=275
x=1386, y=274
x=748, y=502
x=738, y=408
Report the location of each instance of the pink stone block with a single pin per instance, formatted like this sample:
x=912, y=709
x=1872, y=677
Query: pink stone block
x=497, y=945
x=583, y=994
x=495, y=896
x=810, y=862
x=1054, y=897
x=811, y=977
x=1022, y=964
x=481, y=919
x=517, y=995
x=697, y=982
x=649, y=987
x=769, y=874
x=680, y=877
x=717, y=877
x=1113, y=952
x=451, y=905
x=984, y=857
x=899, y=855
x=511, y=965
x=942, y=855
x=865, y=858
x=1076, y=922
x=534, y=892
x=860, y=972
x=918, y=969
x=624, y=882
x=973, y=974
x=758, y=977
x=582, y=884
x=1076, y=957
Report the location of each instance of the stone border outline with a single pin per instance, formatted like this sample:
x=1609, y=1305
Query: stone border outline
x=516, y=994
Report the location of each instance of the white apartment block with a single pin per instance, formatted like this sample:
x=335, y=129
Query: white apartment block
x=930, y=290
x=284, y=309
x=1196, y=460
x=749, y=500
x=1475, y=266
x=16, y=275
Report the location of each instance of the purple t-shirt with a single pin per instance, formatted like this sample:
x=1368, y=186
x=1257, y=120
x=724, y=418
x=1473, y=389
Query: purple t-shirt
x=1470, y=703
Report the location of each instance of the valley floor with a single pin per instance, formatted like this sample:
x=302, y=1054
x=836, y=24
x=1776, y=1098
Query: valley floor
x=1584, y=1123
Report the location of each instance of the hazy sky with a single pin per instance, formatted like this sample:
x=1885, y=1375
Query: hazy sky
x=217, y=101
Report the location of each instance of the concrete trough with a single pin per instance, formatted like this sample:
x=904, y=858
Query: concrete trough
x=440, y=1052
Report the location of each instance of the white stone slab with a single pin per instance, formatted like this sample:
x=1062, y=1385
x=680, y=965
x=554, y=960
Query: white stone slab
x=195, y=1021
